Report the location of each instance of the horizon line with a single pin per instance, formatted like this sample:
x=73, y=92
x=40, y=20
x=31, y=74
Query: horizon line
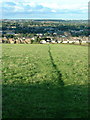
x=40, y=19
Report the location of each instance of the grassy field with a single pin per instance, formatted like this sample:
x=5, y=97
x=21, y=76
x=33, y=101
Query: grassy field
x=45, y=81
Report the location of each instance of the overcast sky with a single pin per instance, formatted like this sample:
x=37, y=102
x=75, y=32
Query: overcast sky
x=45, y=9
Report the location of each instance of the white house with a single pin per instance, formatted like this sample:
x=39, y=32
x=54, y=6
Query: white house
x=42, y=41
x=58, y=41
x=64, y=42
x=71, y=41
x=33, y=38
x=77, y=41
x=53, y=41
x=84, y=41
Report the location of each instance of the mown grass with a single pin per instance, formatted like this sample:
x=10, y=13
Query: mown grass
x=45, y=81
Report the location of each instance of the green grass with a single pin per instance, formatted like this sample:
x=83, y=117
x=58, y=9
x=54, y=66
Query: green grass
x=45, y=81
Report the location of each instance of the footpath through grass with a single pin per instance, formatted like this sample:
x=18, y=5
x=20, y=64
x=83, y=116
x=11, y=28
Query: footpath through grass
x=45, y=81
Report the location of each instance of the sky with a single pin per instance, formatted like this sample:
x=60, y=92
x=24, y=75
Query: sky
x=44, y=9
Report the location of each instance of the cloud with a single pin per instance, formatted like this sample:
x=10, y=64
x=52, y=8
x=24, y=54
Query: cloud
x=40, y=8
x=10, y=3
x=26, y=7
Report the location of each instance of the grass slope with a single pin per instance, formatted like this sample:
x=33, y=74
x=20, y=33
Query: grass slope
x=45, y=81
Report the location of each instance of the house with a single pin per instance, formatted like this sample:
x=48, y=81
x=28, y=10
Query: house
x=5, y=40
x=42, y=42
x=28, y=40
x=23, y=38
x=77, y=41
x=48, y=40
x=71, y=41
x=64, y=41
x=58, y=41
x=39, y=34
x=11, y=41
x=16, y=41
x=84, y=41
x=53, y=41
x=33, y=38
x=85, y=38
